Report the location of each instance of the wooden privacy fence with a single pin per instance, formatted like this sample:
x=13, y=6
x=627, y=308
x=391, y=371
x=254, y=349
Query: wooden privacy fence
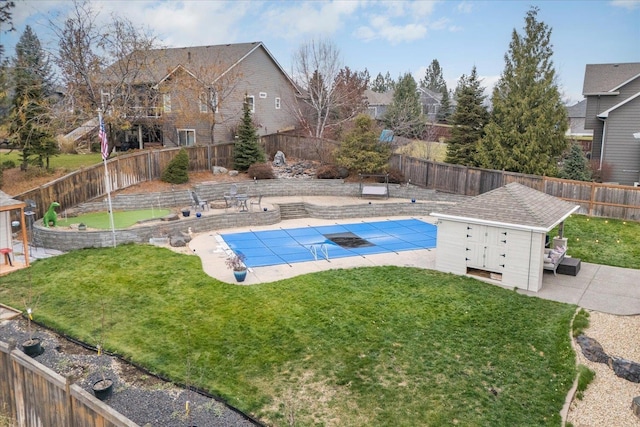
x=613, y=201
x=595, y=199
x=34, y=395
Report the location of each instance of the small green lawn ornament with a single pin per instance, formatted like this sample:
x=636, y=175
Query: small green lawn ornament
x=51, y=216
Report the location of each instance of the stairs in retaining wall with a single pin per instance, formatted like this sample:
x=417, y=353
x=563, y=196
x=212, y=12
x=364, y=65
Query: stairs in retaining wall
x=292, y=211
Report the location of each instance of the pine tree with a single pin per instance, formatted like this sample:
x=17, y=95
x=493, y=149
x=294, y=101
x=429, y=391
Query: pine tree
x=468, y=121
x=378, y=85
x=576, y=165
x=444, y=112
x=404, y=115
x=30, y=114
x=361, y=149
x=247, y=150
x=177, y=171
x=528, y=121
x=433, y=78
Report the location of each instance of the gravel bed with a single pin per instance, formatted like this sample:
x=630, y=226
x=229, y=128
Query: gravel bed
x=143, y=398
x=607, y=400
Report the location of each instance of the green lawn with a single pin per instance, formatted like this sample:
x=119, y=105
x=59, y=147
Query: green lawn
x=367, y=346
x=121, y=219
x=69, y=162
x=603, y=241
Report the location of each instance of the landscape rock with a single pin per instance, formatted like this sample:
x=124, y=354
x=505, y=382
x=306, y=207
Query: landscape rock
x=178, y=241
x=233, y=173
x=219, y=170
x=626, y=369
x=592, y=349
x=279, y=159
x=170, y=217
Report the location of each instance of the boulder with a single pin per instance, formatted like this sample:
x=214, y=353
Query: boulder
x=279, y=159
x=170, y=217
x=233, y=173
x=177, y=241
x=626, y=369
x=592, y=349
x=219, y=170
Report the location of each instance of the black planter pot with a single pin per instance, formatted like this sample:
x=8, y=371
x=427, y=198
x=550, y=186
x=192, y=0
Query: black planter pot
x=186, y=213
x=102, y=388
x=32, y=347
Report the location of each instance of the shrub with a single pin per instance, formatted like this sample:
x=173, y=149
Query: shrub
x=260, y=171
x=8, y=164
x=396, y=177
x=328, y=172
x=580, y=322
x=585, y=376
x=177, y=171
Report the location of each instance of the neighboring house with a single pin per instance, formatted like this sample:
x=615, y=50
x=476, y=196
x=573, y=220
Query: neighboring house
x=576, y=130
x=194, y=95
x=613, y=113
x=429, y=100
x=377, y=103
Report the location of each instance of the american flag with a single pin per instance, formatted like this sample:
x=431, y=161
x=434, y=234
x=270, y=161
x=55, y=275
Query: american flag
x=104, y=145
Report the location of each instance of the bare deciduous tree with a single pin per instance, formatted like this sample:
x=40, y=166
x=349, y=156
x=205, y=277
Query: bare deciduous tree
x=331, y=95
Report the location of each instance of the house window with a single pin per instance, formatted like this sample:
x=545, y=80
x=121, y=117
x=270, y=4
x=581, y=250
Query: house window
x=186, y=137
x=214, y=101
x=203, y=102
x=252, y=103
x=263, y=95
x=166, y=103
x=105, y=98
x=277, y=103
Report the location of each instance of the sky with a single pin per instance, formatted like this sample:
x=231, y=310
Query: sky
x=382, y=36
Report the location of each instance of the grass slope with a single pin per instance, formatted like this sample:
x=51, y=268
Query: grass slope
x=367, y=346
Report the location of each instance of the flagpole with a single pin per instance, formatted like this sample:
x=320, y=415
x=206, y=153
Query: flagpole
x=104, y=149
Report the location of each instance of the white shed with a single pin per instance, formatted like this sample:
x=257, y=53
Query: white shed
x=500, y=235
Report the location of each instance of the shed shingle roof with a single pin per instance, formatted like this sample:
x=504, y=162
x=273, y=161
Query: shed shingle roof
x=7, y=202
x=514, y=204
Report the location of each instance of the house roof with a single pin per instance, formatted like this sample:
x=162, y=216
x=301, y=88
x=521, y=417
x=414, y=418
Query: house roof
x=7, y=203
x=377, y=98
x=607, y=78
x=512, y=206
x=578, y=110
x=158, y=64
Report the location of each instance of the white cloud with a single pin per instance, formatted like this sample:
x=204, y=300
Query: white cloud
x=380, y=27
x=294, y=19
x=627, y=4
x=465, y=7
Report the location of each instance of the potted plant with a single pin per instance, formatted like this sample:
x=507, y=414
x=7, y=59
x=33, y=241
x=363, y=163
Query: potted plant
x=32, y=346
x=236, y=263
x=104, y=386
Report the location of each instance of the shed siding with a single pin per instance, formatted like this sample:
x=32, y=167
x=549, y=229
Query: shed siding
x=450, y=254
x=523, y=266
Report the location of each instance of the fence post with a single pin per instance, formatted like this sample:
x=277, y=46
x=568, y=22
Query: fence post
x=69, y=406
x=591, y=197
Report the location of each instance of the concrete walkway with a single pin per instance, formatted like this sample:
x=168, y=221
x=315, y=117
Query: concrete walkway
x=602, y=288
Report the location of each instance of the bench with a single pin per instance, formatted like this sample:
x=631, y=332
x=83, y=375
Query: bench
x=552, y=259
x=374, y=190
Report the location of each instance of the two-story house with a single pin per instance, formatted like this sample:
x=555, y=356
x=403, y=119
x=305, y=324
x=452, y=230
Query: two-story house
x=613, y=113
x=194, y=95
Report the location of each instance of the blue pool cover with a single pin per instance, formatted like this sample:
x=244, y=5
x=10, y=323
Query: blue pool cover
x=291, y=245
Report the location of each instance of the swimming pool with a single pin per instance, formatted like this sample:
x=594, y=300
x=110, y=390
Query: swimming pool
x=293, y=245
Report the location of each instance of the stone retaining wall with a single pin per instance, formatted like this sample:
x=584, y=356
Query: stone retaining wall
x=66, y=240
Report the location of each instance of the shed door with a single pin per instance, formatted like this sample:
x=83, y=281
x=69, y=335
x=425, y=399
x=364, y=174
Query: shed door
x=486, y=247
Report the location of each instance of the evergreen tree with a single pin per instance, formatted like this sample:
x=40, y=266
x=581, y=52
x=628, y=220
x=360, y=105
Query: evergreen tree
x=433, y=78
x=378, y=84
x=528, y=121
x=177, y=171
x=445, y=106
x=247, y=150
x=576, y=165
x=30, y=116
x=468, y=121
x=382, y=84
x=404, y=115
x=361, y=149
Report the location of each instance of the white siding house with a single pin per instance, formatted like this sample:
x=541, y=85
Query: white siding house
x=500, y=235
